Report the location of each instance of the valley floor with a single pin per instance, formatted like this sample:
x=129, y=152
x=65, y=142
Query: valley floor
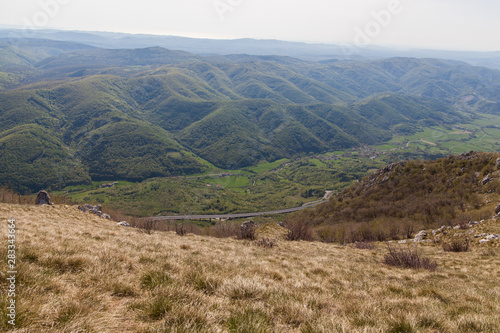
x=80, y=273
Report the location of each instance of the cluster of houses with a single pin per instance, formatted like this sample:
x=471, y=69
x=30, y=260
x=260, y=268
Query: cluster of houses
x=108, y=185
x=216, y=186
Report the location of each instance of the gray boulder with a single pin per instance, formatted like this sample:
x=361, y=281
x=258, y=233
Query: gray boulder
x=497, y=209
x=249, y=224
x=94, y=210
x=486, y=180
x=420, y=236
x=42, y=198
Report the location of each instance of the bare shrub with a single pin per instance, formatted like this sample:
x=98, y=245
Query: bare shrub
x=326, y=234
x=11, y=197
x=267, y=243
x=408, y=229
x=365, y=245
x=457, y=246
x=463, y=221
x=180, y=229
x=146, y=225
x=298, y=230
x=223, y=230
x=409, y=258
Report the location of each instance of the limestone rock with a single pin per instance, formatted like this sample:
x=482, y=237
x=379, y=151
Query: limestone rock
x=486, y=180
x=42, y=198
x=94, y=210
x=123, y=224
x=420, y=236
x=249, y=224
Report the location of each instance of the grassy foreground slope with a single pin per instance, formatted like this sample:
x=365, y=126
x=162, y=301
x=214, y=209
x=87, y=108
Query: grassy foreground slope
x=77, y=272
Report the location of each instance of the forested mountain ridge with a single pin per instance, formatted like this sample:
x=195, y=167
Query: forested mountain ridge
x=136, y=114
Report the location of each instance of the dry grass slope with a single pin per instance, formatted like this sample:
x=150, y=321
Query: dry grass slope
x=79, y=273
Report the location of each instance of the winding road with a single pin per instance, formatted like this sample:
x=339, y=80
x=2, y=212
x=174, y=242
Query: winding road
x=328, y=194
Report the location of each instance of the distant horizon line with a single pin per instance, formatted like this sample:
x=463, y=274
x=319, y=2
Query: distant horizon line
x=332, y=44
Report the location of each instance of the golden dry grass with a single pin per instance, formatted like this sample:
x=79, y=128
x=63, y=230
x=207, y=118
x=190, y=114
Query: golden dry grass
x=80, y=273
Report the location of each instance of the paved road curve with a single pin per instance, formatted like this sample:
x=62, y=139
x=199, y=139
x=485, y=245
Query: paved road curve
x=229, y=216
x=327, y=196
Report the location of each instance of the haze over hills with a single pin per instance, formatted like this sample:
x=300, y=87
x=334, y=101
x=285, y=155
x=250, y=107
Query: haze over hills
x=306, y=51
x=133, y=114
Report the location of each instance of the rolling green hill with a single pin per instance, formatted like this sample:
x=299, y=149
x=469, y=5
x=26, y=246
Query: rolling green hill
x=142, y=113
x=32, y=157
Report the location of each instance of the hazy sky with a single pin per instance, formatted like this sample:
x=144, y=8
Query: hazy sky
x=442, y=24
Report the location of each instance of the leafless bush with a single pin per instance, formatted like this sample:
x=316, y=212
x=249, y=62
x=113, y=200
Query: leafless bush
x=409, y=258
x=457, y=246
x=180, y=229
x=463, y=221
x=11, y=197
x=298, y=230
x=146, y=225
x=267, y=243
x=223, y=230
x=327, y=234
x=408, y=229
x=365, y=245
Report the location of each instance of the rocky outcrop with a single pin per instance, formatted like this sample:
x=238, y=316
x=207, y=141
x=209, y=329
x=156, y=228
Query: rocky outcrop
x=94, y=210
x=486, y=180
x=420, y=236
x=42, y=198
x=249, y=224
x=382, y=175
x=489, y=238
x=497, y=210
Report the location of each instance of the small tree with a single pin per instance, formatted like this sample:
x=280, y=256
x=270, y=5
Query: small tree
x=180, y=229
x=408, y=229
x=147, y=225
x=298, y=230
